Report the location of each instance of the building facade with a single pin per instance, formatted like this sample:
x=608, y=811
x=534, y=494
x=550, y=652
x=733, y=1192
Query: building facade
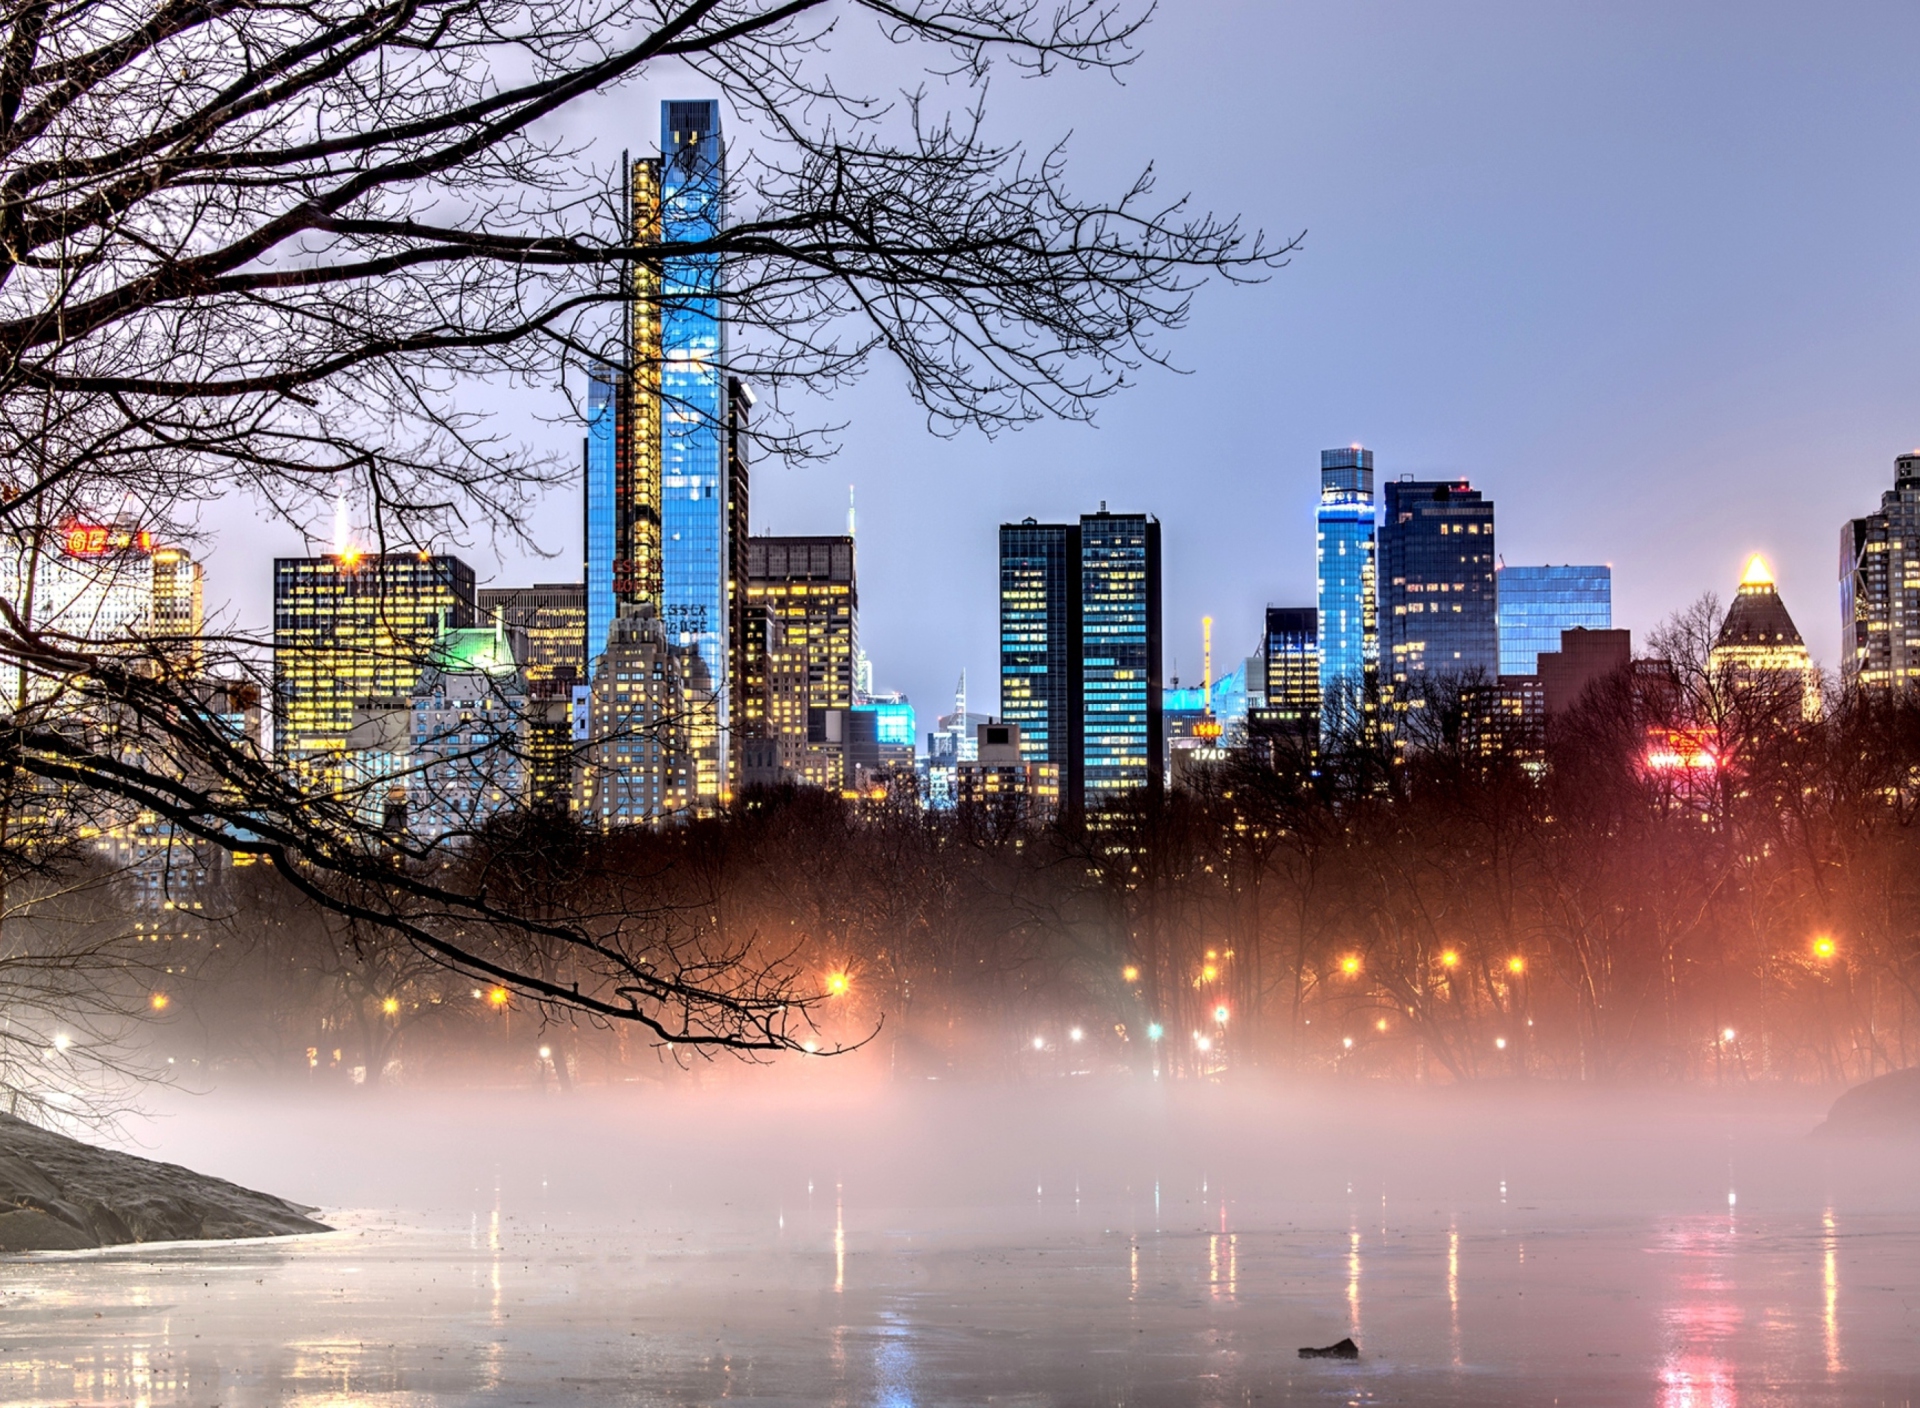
x=645, y=706
x=1759, y=647
x=1584, y=658
x=464, y=733
x=1537, y=603
x=1438, y=597
x=1286, y=724
x=802, y=638
x=87, y=582
x=353, y=627
x=1004, y=783
x=1120, y=664
x=179, y=614
x=1040, y=645
x=1347, y=601
x=1880, y=587
x=551, y=620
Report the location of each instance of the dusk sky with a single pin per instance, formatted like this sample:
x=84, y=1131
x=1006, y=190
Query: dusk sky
x=1644, y=273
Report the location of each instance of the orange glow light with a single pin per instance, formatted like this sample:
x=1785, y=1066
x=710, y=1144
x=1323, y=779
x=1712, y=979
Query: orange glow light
x=158, y=1002
x=1380, y=1025
x=1209, y=973
x=1823, y=947
x=838, y=984
x=497, y=997
x=1516, y=964
x=390, y=1005
x=1449, y=959
x=1130, y=974
x=1350, y=966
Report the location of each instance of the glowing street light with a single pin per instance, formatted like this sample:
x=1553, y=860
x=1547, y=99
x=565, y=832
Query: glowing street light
x=1075, y=1034
x=1824, y=947
x=1130, y=974
x=1203, y=1042
x=158, y=1002
x=546, y=1053
x=1516, y=965
x=1449, y=959
x=1727, y=1035
x=1039, y=1043
x=1347, y=1042
x=1209, y=973
x=497, y=997
x=390, y=1005
x=1380, y=1025
x=1220, y=1014
x=61, y=1041
x=839, y=984
x=1155, y=1031
x=1350, y=965
x=1500, y=1043
x=809, y=1046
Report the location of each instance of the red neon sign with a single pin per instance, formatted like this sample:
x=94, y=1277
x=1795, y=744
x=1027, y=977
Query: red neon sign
x=97, y=540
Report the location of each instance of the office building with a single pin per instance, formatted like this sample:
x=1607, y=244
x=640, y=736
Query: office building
x=740, y=401
x=1759, y=648
x=353, y=627
x=802, y=637
x=550, y=619
x=645, y=705
x=1438, y=606
x=1585, y=657
x=1505, y=720
x=1040, y=640
x=1121, y=721
x=1880, y=587
x=695, y=427
x=1347, y=602
x=1537, y=603
x=90, y=582
x=623, y=444
x=178, y=609
x=1285, y=726
x=461, y=729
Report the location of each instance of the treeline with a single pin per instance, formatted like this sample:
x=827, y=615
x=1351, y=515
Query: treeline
x=1684, y=878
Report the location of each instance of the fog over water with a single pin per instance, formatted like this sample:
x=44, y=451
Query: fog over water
x=806, y=1235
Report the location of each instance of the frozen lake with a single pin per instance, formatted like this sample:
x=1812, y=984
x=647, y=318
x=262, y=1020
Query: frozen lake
x=1033, y=1245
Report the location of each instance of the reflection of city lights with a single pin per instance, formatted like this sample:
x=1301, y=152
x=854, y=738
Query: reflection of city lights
x=1075, y=1034
x=1155, y=1031
x=1350, y=965
x=1130, y=974
x=390, y=1005
x=1449, y=959
x=1823, y=947
x=1500, y=1042
x=497, y=997
x=1039, y=1043
x=1516, y=964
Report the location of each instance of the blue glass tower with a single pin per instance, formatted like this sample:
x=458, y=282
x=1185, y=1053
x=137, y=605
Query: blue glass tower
x=602, y=471
x=1537, y=603
x=1040, y=645
x=1125, y=745
x=693, y=516
x=1437, y=616
x=1348, y=593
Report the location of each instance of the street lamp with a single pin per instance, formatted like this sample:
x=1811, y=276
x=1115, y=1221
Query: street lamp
x=1220, y=1014
x=1155, y=1031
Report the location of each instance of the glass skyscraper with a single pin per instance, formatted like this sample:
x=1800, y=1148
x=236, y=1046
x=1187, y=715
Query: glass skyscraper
x=1438, y=617
x=1120, y=626
x=693, y=520
x=1537, y=603
x=1040, y=645
x=1348, y=589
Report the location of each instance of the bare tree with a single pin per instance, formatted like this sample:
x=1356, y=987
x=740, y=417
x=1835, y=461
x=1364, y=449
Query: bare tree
x=268, y=248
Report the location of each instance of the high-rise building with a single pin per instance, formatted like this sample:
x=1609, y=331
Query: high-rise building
x=1880, y=587
x=551, y=617
x=1286, y=725
x=695, y=424
x=1004, y=783
x=1040, y=645
x=353, y=627
x=1347, y=629
x=463, y=730
x=1438, y=610
x=178, y=607
x=1122, y=728
x=740, y=401
x=1584, y=658
x=1759, y=646
x=1537, y=603
x=802, y=637
x=646, y=703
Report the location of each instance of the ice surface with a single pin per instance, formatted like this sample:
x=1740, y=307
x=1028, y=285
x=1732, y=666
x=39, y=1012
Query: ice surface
x=1033, y=1245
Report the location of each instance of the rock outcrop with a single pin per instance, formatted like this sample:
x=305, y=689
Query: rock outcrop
x=58, y=1194
x=1886, y=1105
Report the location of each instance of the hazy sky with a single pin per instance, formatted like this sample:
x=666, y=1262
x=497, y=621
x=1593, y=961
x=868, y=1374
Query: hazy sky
x=1645, y=273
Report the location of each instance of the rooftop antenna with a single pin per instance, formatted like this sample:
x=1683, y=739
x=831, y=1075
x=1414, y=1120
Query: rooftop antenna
x=1206, y=663
x=849, y=510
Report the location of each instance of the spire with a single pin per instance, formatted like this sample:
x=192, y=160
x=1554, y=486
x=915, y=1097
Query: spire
x=849, y=510
x=1757, y=574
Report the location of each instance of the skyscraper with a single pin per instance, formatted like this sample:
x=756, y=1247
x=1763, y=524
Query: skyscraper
x=1122, y=727
x=695, y=424
x=1347, y=626
x=1537, y=603
x=1438, y=617
x=797, y=664
x=1287, y=723
x=623, y=568
x=1040, y=645
x=352, y=627
x=552, y=619
x=1760, y=647
x=178, y=610
x=1880, y=587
